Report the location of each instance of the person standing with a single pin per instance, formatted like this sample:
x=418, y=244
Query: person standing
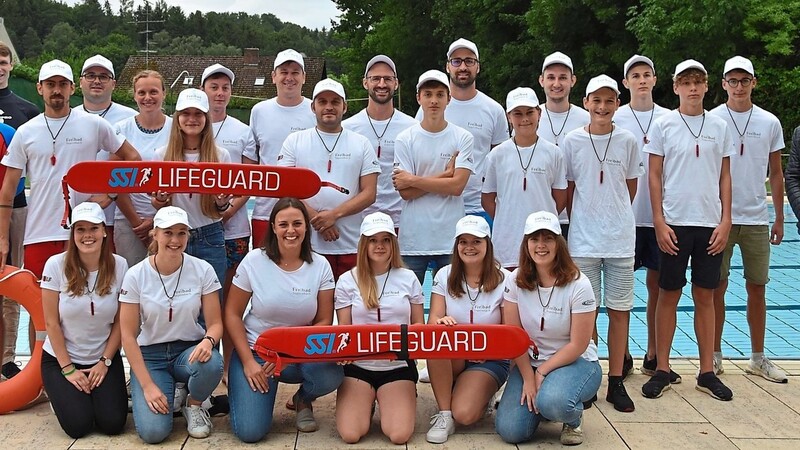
x=343, y=157
x=691, y=220
x=757, y=139
x=380, y=122
x=272, y=121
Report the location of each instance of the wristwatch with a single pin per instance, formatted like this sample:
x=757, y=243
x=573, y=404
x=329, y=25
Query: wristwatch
x=112, y=196
x=105, y=361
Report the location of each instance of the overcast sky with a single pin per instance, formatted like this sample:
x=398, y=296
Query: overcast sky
x=308, y=13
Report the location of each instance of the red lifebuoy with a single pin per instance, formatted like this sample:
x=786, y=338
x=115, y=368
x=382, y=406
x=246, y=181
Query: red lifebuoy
x=21, y=286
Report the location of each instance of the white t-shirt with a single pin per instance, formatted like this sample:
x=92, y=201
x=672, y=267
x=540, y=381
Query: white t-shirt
x=427, y=223
x=690, y=179
x=280, y=298
x=762, y=136
x=555, y=127
x=505, y=177
x=32, y=149
x=143, y=286
x=387, y=200
x=146, y=144
x=398, y=289
x=85, y=334
x=486, y=120
x=191, y=202
x=627, y=118
x=486, y=307
x=112, y=115
x=556, y=307
x=271, y=123
x=602, y=223
x=235, y=137
x=348, y=160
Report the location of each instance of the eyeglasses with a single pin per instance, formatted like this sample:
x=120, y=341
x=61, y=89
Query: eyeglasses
x=376, y=79
x=456, y=62
x=101, y=77
x=744, y=81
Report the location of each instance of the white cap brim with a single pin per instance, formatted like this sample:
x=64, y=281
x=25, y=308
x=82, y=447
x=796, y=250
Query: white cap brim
x=216, y=68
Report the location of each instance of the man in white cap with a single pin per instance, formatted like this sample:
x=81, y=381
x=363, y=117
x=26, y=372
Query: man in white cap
x=559, y=116
x=475, y=112
x=433, y=162
x=603, y=166
x=97, y=84
x=525, y=174
x=343, y=157
x=757, y=138
x=274, y=119
x=638, y=117
x=690, y=192
x=46, y=147
x=380, y=122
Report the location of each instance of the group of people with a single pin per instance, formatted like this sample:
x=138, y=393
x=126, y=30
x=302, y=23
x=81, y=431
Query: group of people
x=525, y=220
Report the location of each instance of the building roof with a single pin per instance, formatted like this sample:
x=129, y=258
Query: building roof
x=253, y=72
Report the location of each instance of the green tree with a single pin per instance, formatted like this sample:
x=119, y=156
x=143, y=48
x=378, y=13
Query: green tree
x=31, y=44
x=61, y=40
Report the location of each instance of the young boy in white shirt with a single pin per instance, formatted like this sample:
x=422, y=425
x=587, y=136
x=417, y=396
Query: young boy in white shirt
x=757, y=139
x=432, y=164
x=603, y=167
x=690, y=192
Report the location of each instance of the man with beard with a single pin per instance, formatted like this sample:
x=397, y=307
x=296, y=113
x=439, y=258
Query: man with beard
x=380, y=122
x=475, y=112
x=46, y=147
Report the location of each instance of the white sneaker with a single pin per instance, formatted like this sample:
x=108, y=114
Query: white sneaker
x=767, y=370
x=442, y=427
x=181, y=393
x=197, y=421
x=424, y=377
x=571, y=436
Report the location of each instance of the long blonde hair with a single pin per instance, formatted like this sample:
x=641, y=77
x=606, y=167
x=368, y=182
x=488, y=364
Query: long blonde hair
x=365, y=277
x=208, y=153
x=78, y=276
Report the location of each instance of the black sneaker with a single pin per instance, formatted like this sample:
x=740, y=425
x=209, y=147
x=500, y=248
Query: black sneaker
x=649, y=368
x=627, y=366
x=711, y=385
x=10, y=370
x=588, y=405
x=618, y=396
x=657, y=384
x=219, y=405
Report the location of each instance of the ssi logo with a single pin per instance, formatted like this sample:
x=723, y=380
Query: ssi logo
x=127, y=177
x=326, y=343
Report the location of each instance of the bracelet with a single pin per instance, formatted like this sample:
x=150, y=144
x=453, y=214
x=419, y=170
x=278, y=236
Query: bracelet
x=65, y=366
x=66, y=374
x=211, y=339
x=223, y=208
x=7, y=206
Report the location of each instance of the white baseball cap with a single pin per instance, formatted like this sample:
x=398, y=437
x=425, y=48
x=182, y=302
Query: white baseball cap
x=463, y=43
x=192, y=98
x=474, y=225
x=216, y=68
x=741, y=63
x=377, y=222
x=287, y=56
x=636, y=59
x=98, y=61
x=433, y=75
x=380, y=59
x=689, y=64
x=331, y=85
x=55, y=68
x=557, y=58
x=542, y=220
x=169, y=216
x=521, y=96
x=601, y=81
x=89, y=212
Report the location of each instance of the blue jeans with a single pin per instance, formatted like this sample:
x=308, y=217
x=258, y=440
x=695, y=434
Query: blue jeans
x=419, y=264
x=560, y=399
x=251, y=411
x=167, y=364
x=208, y=243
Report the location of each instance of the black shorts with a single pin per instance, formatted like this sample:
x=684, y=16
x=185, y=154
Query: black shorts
x=647, y=251
x=377, y=378
x=692, y=242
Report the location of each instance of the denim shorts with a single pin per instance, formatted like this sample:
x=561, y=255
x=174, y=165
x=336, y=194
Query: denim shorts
x=497, y=369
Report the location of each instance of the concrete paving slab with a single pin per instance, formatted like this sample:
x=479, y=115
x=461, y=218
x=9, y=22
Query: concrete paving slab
x=669, y=408
x=766, y=444
x=685, y=436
